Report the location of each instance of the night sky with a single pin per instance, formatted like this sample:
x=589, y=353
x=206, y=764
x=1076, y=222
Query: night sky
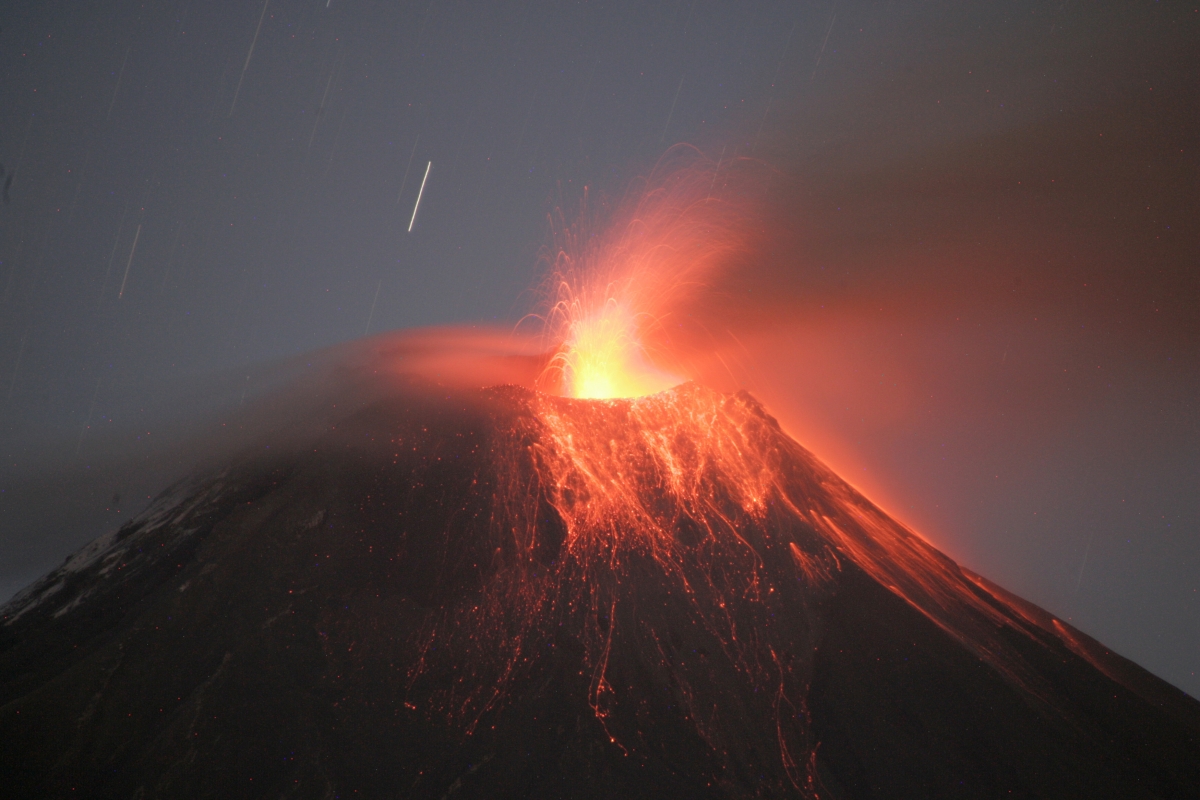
x=975, y=292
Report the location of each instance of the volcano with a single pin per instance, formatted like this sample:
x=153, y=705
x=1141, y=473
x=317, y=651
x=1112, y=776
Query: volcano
x=501, y=593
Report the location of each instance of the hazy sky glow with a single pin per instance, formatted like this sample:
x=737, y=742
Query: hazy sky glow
x=972, y=287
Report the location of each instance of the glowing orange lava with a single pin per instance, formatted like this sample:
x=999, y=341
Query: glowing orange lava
x=612, y=297
x=603, y=356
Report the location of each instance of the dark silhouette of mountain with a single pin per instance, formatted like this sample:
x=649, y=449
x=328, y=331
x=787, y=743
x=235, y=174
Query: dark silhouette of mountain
x=504, y=594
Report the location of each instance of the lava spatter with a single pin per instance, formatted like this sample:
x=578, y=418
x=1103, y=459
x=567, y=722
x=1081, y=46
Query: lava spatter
x=614, y=293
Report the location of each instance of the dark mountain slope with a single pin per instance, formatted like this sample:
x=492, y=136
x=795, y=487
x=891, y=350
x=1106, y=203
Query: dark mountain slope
x=504, y=594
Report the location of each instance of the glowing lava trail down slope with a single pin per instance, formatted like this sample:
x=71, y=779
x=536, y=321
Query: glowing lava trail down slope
x=644, y=589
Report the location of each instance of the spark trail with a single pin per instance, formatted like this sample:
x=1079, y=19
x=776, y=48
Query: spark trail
x=129, y=263
x=420, y=194
x=407, y=167
x=249, y=55
x=117, y=88
x=671, y=113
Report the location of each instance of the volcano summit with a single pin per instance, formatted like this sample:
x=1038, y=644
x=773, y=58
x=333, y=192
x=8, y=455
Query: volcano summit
x=505, y=594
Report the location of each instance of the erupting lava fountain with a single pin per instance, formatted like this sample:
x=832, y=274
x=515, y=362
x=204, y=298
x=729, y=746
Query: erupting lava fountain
x=510, y=593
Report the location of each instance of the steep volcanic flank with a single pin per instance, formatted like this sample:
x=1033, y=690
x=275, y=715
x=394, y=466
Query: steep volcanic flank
x=502, y=593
